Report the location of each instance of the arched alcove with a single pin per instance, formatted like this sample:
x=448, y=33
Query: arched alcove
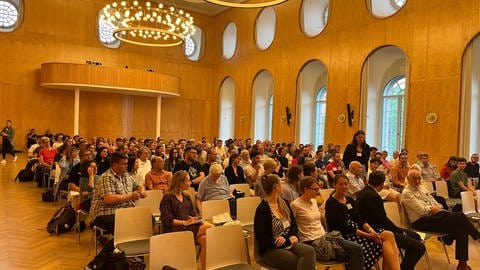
x=229, y=42
x=227, y=109
x=384, y=8
x=311, y=103
x=384, y=98
x=314, y=16
x=262, y=105
x=265, y=28
x=469, y=141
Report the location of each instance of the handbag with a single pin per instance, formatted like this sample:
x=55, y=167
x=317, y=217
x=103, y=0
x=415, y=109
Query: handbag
x=327, y=247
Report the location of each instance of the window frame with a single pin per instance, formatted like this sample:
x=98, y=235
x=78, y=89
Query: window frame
x=19, y=8
x=320, y=101
x=400, y=119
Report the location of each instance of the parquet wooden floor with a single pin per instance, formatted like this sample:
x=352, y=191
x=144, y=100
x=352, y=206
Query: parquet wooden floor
x=25, y=243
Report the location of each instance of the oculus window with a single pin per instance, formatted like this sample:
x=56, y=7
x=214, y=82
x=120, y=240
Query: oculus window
x=229, y=40
x=193, y=46
x=384, y=8
x=314, y=16
x=265, y=28
x=10, y=14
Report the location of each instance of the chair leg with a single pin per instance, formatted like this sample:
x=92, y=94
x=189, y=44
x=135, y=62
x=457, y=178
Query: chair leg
x=78, y=226
x=446, y=252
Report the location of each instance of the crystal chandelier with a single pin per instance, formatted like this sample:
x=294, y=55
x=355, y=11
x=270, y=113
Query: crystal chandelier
x=260, y=4
x=148, y=24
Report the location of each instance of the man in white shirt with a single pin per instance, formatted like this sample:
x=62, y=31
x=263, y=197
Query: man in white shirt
x=426, y=214
x=355, y=177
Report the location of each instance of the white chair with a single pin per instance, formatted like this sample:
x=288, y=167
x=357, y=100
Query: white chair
x=176, y=249
x=246, y=208
x=133, y=229
x=226, y=247
x=425, y=235
x=193, y=196
x=393, y=213
x=429, y=186
x=441, y=188
x=214, y=207
x=477, y=192
x=245, y=188
x=152, y=201
x=468, y=206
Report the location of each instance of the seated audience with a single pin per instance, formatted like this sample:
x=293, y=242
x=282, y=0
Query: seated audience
x=370, y=207
x=157, y=178
x=276, y=231
x=144, y=164
x=214, y=187
x=178, y=212
x=172, y=160
x=192, y=166
x=212, y=158
x=398, y=173
x=88, y=180
x=472, y=168
x=102, y=160
x=448, y=168
x=234, y=172
x=245, y=155
x=115, y=189
x=334, y=167
x=425, y=213
x=342, y=215
x=427, y=169
x=355, y=176
x=254, y=170
x=311, y=231
x=291, y=189
x=459, y=180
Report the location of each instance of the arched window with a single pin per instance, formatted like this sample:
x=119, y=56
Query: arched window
x=393, y=114
x=227, y=109
x=270, y=116
x=10, y=14
x=384, y=8
x=262, y=105
x=313, y=16
x=320, y=115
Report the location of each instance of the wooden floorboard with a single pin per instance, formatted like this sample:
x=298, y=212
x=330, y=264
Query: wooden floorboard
x=26, y=244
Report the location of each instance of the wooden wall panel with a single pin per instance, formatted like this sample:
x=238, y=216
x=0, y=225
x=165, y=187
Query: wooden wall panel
x=433, y=35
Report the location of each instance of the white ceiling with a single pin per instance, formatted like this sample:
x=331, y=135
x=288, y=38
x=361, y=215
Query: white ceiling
x=198, y=6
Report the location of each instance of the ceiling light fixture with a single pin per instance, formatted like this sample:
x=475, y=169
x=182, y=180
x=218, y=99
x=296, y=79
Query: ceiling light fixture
x=148, y=24
x=246, y=5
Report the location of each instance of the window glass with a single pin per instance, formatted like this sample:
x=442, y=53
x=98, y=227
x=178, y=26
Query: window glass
x=105, y=30
x=10, y=14
x=385, y=8
x=313, y=16
x=320, y=115
x=229, y=40
x=196, y=42
x=393, y=114
x=265, y=28
x=262, y=105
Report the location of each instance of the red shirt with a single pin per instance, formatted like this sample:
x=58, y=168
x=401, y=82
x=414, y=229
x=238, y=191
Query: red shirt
x=48, y=155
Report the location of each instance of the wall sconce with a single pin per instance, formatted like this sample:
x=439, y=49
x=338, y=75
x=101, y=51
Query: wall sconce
x=350, y=113
x=242, y=119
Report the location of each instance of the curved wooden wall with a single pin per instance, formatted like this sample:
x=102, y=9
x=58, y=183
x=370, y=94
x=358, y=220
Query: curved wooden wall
x=100, y=78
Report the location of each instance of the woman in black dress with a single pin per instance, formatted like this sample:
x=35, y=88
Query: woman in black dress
x=179, y=214
x=234, y=172
x=357, y=150
x=342, y=216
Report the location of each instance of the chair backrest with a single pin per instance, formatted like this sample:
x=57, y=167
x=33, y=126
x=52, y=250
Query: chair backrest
x=176, y=249
x=58, y=172
x=393, y=213
x=193, y=196
x=442, y=188
x=225, y=246
x=152, y=201
x=214, y=207
x=325, y=193
x=406, y=220
x=245, y=188
x=133, y=229
x=429, y=186
x=468, y=202
x=477, y=192
x=246, y=209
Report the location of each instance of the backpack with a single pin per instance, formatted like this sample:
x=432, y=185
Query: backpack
x=108, y=260
x=63, y=220
x=28, y=173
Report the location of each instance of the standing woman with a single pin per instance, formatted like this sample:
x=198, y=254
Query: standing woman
x=276, y=231
x=8, y=133
x=179, y=214
x=342, y=216
x=233, y=171
x=357, y=150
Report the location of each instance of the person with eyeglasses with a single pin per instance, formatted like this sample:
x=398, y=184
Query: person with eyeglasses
x=312, y=232
x=192, y=166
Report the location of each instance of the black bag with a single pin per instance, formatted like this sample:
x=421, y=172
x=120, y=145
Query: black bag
x=47, y=196
x=63, y=220
x=28, y=173
x=108, y=261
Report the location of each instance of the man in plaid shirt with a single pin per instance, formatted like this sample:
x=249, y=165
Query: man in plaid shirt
x=115, y=189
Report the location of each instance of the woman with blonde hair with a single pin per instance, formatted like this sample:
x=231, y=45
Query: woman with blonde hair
x=276, y=231
x=179, y=214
